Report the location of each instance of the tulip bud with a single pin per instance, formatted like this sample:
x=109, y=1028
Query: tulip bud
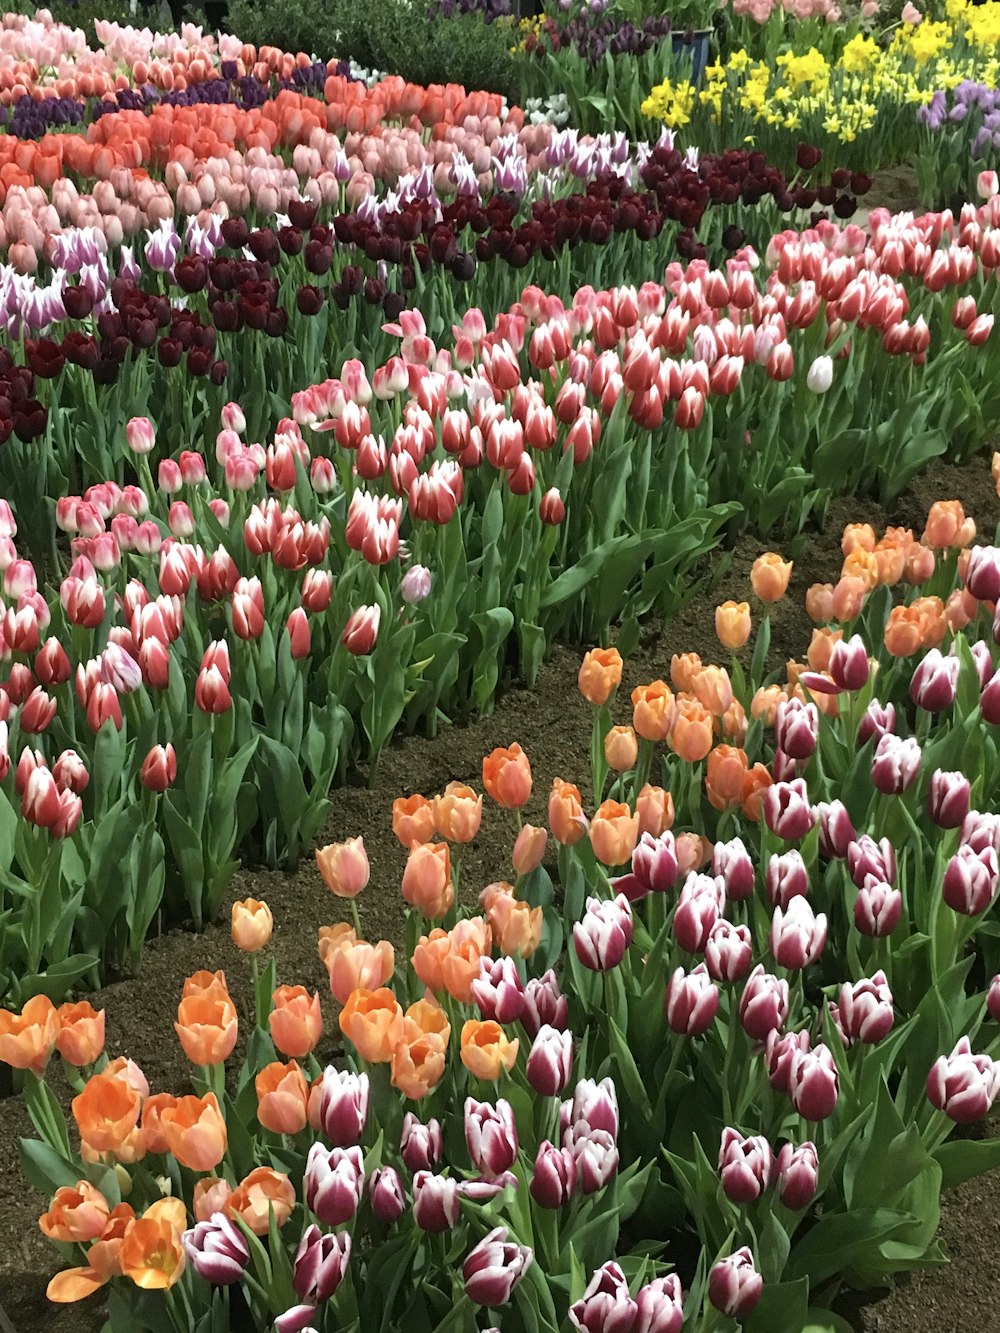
x=361, y=630
x=993, y=999
x=849, y=666
x=812, y=1083
x=217, y=1250
x=252, y=924
x=948, y=799
x=982, y=573
x=494, y=1268
x=344, y=867
x=780, y=1051
x=798, y=936
x=140, y=435
x=498, y=990
x=691, y=1001
x=962, y=1085
x=836, y=832
x=786, y=809
x=654, y=867
x=334, y=1182
x=786, y=878
x=797, y=1171
x=763, y=1004
x=595, y=1154
x=159, y=768
x=745, y=1166
x=420, y=1145
x=490, y=1136
x=970, y=880
x=819, y=377
x=896, y=764
x=734, y=1285
x=544, y=1004
x=699, y=906
x=320, y=1264
x=550, y=1061
x=415, y=586
x=728, y=951
x=554, y=1177
x=385, y=1190
x=529, y=849
x=551, y=509
x=731, y=863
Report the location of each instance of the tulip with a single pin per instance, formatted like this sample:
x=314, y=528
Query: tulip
x=877, y=908
x=786, y=809
x=320, y=1264
x=836, y=832
x=896, y=764
x=458, y=813
x=552, y=508
x=621, y=749
x=734, y=1285
x=982, y=573
x=745, y=1166
x=195, y=1132
x=595, y=1154
x=786, y=878
x=373, y=1022
x=420, y=1145
x=334, y=1183
x=962, y=1085
x=614, y=830
x=948, y=799
x=731, y=863
x=282, y=1098
x=498, y=990
x=660, y=1306
x=934, y=683
x=566, y=817
x=216, y=1250
x=415, y=586
x=700, y=905
x=361, y=630
x=763, y=1004
x=605, y=1306
x=798, y=936
x=427, y=883
x=106, y=1111
x=544, y=1004
x=819, y=377
x=595, y=1104
x=728, y=952
x=385, y=1190
x=486, y=1050
x=151, y=1253
x=80, y=1039
x=490, y=1136
x=732, y=624
x=252, y=924
x=550, y=1061
x=866, y=1011
x=849, y=666
x=769, y=576
x=654, y=866
x=604, y=934
x=655, y=809
x=507, y=776
x=207, y=1027
x=970, y=880
x=796, y=728
x=296, y=1021
x=691, y=1001
x=140, y=435
x=494, y=1268
x=435, y=1202
x=77, y=1214
x=780, y=1051
x=993, y=999
x=529, y=849
x=812, y=1083
x=980, y=831
x=876, y=721
x=797, y=1173
x=344, y=867
x=600, y=675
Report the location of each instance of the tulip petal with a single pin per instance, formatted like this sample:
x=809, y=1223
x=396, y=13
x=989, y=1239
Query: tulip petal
x=74, y=1284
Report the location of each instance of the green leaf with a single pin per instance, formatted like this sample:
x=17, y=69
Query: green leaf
x=781, y=1308
x=962, y=1159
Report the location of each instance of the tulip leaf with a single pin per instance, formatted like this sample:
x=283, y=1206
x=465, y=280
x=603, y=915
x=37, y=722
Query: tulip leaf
x=962, y=1159
x=634, y=1087
x=826, y=1321
x=840, y=1240
x=781, y=1308
x=45, y=1168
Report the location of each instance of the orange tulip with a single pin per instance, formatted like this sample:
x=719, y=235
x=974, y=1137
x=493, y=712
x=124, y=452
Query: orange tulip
x=151, y=1252
x=211, y=1194
x=919, y=564
x=28, y=1039
x=769, y=576
x=152, y=1131
x=566, y=818
x=600, y=675
x=413, y=819
x=764, y=704
x=458, y=812
x=252, y=925
x=344, y=867
x=693, y=852
x=904, y=631
x=106, y=1111
x=755, y=784
x=507, y=776
x=947, y=526
x=78, y=1213
x=373, y=1022
x=614, y=831
x=200, y=982
x=428, y=957
x=691, y=735
x=935, y=625
x=255, y=1196
x=861, y=565
x=296, y=1021
x=732, y=624
x=821, y=646
x=713, y=689
x=282, y=1097
x=427, y=879
x=195, y=1131
x=890, y=558
x=655, y=810
x=724, y=776
x=848, y=598
x=819, y=602
x=103, y=1262
x=81, y=1033
x=469, y=940
x=418, y=1062
x=529, y=849
x=520, y=931
x=207, y=1027
x=734, y=723
x=621, y=749
x=428, y=1015
x=352, y=963
x=486, y=1049
x=857, y=536
x=653, y=710
x=682, y=670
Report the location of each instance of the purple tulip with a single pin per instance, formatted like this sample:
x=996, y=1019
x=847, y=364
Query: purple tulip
x=963, y=1085
x=216, y=1250
x=980, y=831
x=343, y=1106
x=435, y=1202
x=416, y=584
x=700, y=904
x=867, y=857
x=989, y=701
x=660, y=1306
x=595, y=1154
x=970, y=880
x=836, y=832
x=554, y=1178
x=544, y=1004
x=812, y=1083
x=745, y=1166
x=734, y=1285
x=595, y=1104
x=490, y=1136
x=550, y=1061
x=728, y=951
x=934, y=683
x=605, y=1306
x=797, y=1171
x=877, y=908
x=895, y=764
x=691, y=1001
x=948, y=799
x=780, y=1051
x=499, y=990
x=866, y=1009
x=983, y=658
x=334, y=1183
x=731, y=863
x=786, y=809
x=604, y=934
x=784, y=768
x=849, y=665
x=982, y=574
x=785, y=878
x=385, y=1190
x=420, y=1145
x=796, y=728
x=320, y=1264
x=654, y=867
x=494, y=1268
x=763, y=1004
x=798, y=935
x=877, y=721
x=296, y=1320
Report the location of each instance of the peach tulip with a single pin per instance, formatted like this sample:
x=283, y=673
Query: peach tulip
x=282, y=1097
x=427, y=879
x=566, y=818
x=296, y=1021
x=769, y=576
x=529, y=849
x=418, y=1062
x=373, y=1022
x=81, y=1033
x=653, y=710
x=195, y=1131
x=252, y=924
x=344, y=867
x=78, y=1213
x=507, y=776
x=621, y=749
x=207, y=1027
x=600, y=675
x=413, y=819
x=486, y=1049
x=151, y=1252
x=733, y=624
x=458, y=812
x=614, y=832
x=106, y=1111
x=254, y=1198
x=28, y=1039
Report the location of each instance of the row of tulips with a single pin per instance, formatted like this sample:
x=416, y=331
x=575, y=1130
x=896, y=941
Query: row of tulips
x=679, y=1088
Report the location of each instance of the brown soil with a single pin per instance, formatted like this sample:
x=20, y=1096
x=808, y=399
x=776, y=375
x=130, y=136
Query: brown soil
x=553, y=724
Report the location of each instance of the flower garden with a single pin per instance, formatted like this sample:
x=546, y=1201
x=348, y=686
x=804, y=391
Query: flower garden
x=499, y=670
